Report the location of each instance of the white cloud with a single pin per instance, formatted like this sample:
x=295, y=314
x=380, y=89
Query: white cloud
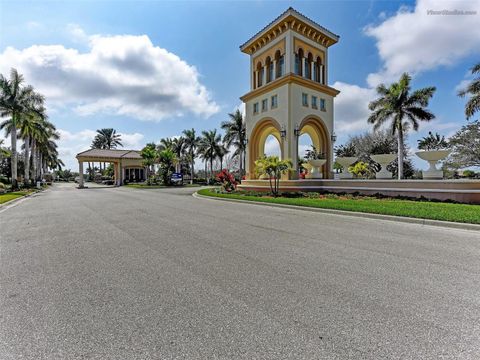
x=121, y=75
x=414, y=41
x=72, y=143
x=77, y=33
x=351, y=107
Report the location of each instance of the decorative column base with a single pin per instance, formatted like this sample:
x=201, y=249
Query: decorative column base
x=432, y=175
x=384, y=174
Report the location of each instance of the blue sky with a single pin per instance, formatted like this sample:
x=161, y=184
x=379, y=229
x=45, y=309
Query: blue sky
x=65, y=49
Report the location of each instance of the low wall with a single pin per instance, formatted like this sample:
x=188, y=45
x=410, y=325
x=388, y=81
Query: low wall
x=465, y=191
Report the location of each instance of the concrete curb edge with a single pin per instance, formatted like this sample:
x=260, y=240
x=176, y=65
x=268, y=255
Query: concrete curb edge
x=449, y=224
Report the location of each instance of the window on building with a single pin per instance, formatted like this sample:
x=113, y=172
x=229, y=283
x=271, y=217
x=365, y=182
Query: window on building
x=305, y=99
x=264, y=105
x=270, y=72
x=281, y=66
x=314, y=102
x=274, y=103
x=322, y=105
x=255, y=108
x=260, y=76
x=297, y=64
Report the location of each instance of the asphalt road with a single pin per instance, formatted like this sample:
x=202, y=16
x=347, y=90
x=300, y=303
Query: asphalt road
x=118, y=273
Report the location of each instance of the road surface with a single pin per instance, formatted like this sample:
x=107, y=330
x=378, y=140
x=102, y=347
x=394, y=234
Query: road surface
x=120, y=273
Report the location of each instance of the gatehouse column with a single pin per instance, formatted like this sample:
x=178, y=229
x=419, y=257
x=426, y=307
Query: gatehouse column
x=80, y=172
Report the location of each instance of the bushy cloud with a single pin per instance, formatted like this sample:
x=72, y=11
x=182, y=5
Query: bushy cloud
x=417, y=40
x=121, y=75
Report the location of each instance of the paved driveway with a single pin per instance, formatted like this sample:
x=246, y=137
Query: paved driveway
x=118, y=273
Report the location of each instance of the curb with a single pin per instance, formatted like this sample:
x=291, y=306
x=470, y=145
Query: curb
x=13, y=202
x=439, y=223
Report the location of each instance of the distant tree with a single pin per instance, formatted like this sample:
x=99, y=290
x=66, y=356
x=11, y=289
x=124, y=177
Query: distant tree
x=191, y=144
x=466, y=146
x=167, y=160
x=401, y=107
x=432, y=142
x=108, y=138
x=209, y=147
x=149, y=155
x=472, y=90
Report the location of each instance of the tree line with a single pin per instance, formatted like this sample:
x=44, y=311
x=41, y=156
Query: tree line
x=27, y=120
x=179, y=153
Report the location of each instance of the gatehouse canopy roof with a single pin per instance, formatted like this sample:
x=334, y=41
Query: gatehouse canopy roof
x=110, y=154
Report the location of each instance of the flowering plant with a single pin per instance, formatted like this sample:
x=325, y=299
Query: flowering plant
x=227, y=180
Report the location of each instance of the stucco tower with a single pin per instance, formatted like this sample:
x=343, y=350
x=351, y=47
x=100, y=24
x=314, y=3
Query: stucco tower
x=289, y=93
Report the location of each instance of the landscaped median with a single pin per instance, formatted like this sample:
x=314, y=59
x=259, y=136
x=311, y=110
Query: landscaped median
x=462, y=213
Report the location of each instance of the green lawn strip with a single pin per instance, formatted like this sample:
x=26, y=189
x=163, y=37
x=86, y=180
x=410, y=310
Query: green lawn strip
x=11, y=196
x=144, y=186
x=463, y=213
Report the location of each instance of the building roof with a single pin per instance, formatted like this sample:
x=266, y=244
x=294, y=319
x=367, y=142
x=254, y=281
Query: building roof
x=112, y=154
x=287, y=15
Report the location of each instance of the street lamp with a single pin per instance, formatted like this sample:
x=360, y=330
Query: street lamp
x=333, y=137
x=283, y=132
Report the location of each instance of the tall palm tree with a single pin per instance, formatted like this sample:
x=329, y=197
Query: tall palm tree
x=209, y=147
x=30, y=124
x=15, y=100
x=236, y=135
x=472, y=89
x=191, y=144
x=398, y=105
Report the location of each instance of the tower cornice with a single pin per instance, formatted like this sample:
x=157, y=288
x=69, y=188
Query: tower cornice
x=290, y=20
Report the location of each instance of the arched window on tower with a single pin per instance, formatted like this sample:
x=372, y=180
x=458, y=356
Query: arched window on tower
x=299, y=62
x=259, y=74
x=308, y=66
x=318, y=68
x=269, y=65
x=280, y=64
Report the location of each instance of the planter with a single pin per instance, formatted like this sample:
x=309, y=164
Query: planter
x=383, y=160
x=308, y=167
x=432, y=157
x=316, y=171
x=346, y=162
x=263, y=177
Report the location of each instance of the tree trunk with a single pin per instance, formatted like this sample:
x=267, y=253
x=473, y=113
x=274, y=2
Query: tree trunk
x=221, y=164
x=34, y=161
x=211, y=168
x=241, y=164
x=400, y=154
x=192, y=175
x=14, y=155
x=27, y=161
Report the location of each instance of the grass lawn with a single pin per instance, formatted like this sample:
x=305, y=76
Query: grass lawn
x=463, y=213
x=145, y=186
x=11, y=196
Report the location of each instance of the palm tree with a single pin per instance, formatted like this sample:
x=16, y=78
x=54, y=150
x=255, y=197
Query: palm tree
x=4, y=152
x=402, y=108
x=236, y=135
x=149, y=155
x=109, y=138
x=191, y=144
x=30, y=124
x=15, y=101
x=209, y=147
x=472, y=89
x=222, y=151
x=432, y=142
